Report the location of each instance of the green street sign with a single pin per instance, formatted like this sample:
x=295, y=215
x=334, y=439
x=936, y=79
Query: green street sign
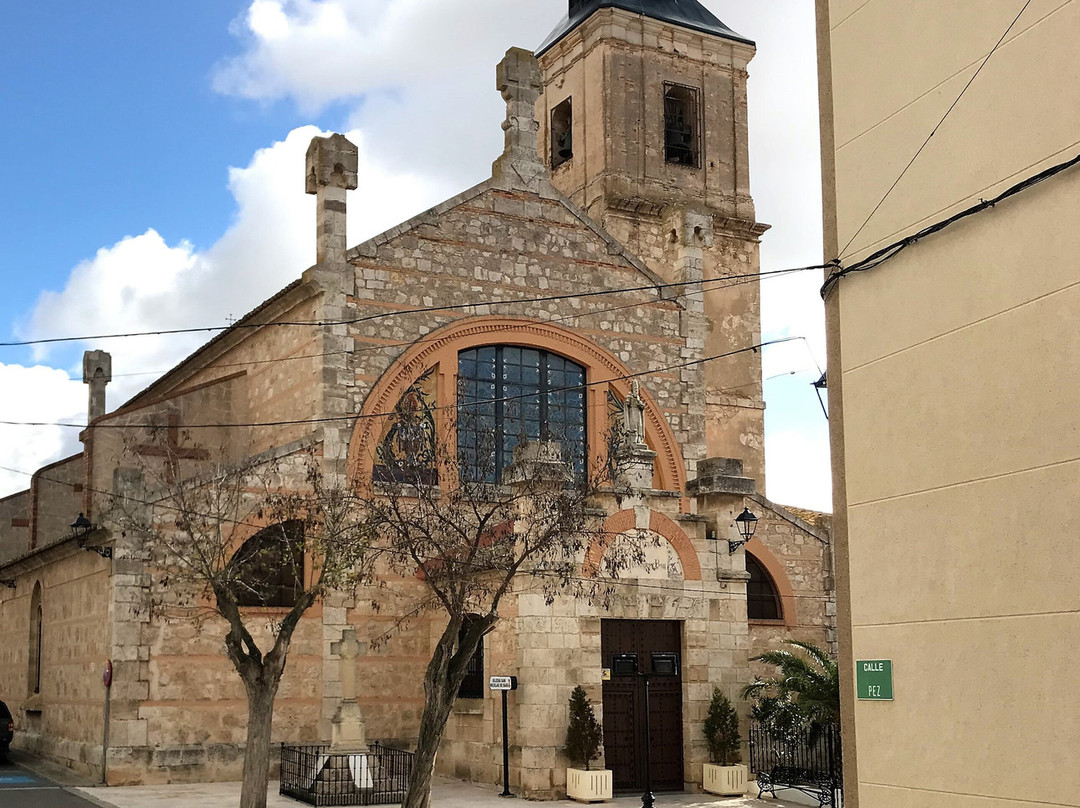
x=873, y=679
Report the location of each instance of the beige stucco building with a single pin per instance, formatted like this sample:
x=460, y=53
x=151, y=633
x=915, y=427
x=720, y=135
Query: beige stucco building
x=631, y=233
x=954, y=389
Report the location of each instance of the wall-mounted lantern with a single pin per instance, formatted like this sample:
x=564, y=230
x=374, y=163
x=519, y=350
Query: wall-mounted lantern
x=747, y=524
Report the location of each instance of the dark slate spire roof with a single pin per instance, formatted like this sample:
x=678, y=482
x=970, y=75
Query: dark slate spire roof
x=687, y=13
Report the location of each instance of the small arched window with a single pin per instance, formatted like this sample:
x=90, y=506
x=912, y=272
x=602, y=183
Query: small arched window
x=762, y=597
x=268, y=570
x=509, y=395
x=36, y=637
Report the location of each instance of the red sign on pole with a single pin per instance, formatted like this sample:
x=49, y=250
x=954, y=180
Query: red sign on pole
x=106, y=674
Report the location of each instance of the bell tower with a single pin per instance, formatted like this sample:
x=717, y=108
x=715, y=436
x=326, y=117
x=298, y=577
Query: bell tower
x=644, y=125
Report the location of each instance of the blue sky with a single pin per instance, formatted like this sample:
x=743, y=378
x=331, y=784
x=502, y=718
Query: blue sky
x=151, y=175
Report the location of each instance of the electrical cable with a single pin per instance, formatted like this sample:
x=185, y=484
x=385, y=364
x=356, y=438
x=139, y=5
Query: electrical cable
x=420, y=310
x=936, y=128
x=392, y=551
x=735, y=280
x=879, y=257
x=454, y=407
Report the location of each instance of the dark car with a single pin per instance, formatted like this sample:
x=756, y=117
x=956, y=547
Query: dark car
x=7, y=731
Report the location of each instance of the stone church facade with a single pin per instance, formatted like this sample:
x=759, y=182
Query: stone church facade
x=622, y=197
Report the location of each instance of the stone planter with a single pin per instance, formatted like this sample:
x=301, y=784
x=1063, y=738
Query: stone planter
x=727, y=781
x=588, y=786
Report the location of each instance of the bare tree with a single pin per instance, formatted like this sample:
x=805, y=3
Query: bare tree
x=448, y=514
x=222, y=534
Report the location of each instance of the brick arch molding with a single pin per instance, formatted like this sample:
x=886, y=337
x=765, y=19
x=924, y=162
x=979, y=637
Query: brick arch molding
x=776, y=571
x=441, y=348
x=660, y=524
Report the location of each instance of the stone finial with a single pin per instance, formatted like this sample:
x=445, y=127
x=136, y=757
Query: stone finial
x=331, y=170
x=97, y=372
x=332, y=161
x=520, y=82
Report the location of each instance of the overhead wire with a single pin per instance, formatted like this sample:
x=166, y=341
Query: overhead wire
x=650, y=585
x=934, y=131
x=400, y=312
x=455, y=407
x=879, y=257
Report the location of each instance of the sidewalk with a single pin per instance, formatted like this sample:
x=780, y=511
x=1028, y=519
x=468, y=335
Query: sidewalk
x=445, y=793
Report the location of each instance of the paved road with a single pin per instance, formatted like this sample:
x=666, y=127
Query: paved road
x=21, y=788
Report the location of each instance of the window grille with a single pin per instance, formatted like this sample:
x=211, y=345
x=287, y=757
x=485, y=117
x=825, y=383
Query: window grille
x=509, y=395
x=681, y=125
x=472, y=686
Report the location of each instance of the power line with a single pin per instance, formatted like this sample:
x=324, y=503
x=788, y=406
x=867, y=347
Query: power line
x=455, y=407
x=420, y=310
x=728, y=282
x=936, y=128
x=651, y=584
x=886, y=253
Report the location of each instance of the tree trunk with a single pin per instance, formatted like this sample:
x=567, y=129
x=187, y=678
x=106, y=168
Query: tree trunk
x=257, y=753
x=438, y=701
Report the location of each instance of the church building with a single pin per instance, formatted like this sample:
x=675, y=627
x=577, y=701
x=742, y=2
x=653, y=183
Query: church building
x=615, y=242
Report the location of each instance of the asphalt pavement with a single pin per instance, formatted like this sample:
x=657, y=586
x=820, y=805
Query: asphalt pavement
x=22, y=788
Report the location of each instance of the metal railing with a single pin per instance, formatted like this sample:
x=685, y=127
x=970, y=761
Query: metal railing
x=318, y=776
x=815, y=751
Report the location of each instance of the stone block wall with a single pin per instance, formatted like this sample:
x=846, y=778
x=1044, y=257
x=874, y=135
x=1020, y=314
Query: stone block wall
x=65, y=720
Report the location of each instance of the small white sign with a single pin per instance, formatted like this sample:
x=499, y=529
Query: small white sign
x=502, y=683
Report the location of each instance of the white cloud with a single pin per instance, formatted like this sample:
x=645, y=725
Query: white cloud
x=416, y=81
x=40, y=394
x=142, y=283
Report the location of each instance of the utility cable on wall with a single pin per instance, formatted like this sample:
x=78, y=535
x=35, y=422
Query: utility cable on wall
x=876, y=259
x=933, y=132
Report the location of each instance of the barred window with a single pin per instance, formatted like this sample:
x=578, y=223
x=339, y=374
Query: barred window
x=472, y=686
x=681, y=125
x=509, y=395
x=762, y=598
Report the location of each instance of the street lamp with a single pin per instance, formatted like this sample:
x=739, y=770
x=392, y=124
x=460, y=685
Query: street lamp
x=747, y=524
x=83, y=527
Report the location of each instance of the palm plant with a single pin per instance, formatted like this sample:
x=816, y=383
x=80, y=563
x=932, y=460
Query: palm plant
x=809, y=681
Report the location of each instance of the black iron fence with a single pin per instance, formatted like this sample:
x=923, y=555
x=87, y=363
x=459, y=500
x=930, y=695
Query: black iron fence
x=810, y=751
x=318, y=776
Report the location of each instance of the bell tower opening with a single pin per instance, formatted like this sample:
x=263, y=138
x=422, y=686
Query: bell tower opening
x=562, y=133
x=643, y=121
x=681, y=139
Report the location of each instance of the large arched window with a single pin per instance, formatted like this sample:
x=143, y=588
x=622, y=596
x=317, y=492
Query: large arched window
x=762, y=597
x=36, y=636
x=509, y=395
x=268, y=570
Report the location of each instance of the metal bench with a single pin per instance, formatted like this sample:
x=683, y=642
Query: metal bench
x=819, y=785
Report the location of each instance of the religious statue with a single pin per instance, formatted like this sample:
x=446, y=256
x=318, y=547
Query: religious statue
x=634, y=415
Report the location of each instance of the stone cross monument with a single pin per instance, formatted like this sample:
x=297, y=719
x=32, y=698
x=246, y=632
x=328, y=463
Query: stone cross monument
x=348, y=731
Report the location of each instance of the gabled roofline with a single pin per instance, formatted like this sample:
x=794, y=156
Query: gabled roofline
x=369, y=248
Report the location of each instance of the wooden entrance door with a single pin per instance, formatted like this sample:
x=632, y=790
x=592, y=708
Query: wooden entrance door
x=624, y=705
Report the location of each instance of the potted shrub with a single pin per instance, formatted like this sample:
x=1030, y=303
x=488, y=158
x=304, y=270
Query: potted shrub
x=583, y=740
x=724, y=774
